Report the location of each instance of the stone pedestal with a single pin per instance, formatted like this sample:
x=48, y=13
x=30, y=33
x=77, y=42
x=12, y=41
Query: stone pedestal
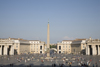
x=48, y=54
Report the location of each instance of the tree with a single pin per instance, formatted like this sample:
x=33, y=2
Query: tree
x=53, y=46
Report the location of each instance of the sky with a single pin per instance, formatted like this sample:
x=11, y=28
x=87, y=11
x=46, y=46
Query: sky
x=68, y=19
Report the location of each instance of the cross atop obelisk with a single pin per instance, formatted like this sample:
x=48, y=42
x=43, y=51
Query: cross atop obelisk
x=48, y=41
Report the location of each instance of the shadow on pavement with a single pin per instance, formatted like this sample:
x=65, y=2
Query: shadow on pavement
x=32, y=65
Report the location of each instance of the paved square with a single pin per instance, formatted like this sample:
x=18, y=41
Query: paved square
x=38, y=60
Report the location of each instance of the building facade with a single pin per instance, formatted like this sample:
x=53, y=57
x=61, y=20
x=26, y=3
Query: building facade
x=78, y=46
x=6, y=47
x=37, y=46
x=92, y=46
x=14, y=46
x=64, y=47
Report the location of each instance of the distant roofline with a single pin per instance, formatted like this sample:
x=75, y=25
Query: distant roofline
x=74, y=40
x=80, y=39
x=20, y=39
x=67, y=40
x=34, y=40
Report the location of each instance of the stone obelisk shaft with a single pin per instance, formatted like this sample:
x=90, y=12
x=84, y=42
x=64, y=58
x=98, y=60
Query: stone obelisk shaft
x=48, y=37
x=48, y=41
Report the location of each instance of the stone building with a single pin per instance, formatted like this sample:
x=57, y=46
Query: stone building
x=78, y=46
x=13, y=46
x=6, y=47
x=24, y=46
x=37, y=46
x=86, y=46
x=92, y=46
x=64, y=47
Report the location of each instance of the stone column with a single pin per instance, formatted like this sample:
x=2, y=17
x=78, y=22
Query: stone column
x=18, y=51
x=88, y=50
x=12, y=50
x=95, y=51
x=1, y=50
x=98, y=50
x=57, y=48
x=5, y=49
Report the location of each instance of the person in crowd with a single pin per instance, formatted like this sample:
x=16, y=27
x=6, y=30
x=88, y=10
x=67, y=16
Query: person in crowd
x=93, y=65
x=54, y=65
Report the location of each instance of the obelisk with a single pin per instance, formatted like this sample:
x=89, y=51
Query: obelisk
x=48, y=41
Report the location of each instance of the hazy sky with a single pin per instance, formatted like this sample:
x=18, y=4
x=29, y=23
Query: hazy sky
x=68, y=19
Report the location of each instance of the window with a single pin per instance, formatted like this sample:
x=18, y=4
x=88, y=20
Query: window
x=83, y=46
x=64, y=42
x=59, y=51
x=16, y=45
x=63, y=46
x=40, y=51
x=63, y=51
x=74, y=50
x=38, y=42
x=59, y=47
x=41, y=47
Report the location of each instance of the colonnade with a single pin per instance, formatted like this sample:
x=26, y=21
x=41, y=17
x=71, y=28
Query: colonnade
x=6, y=50
x=92, y=50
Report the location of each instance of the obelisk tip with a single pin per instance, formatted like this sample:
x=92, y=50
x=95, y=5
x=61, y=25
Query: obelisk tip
x=48, y=20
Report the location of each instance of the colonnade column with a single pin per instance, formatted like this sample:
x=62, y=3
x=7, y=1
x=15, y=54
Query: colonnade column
x=12, y=50
x=57, y=48
x=1, y=50
x=5, y=50
x=93, y=50
x=86, y=49
x=98, y=50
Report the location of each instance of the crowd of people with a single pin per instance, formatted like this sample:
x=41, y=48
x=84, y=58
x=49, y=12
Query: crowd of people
x=60, y=61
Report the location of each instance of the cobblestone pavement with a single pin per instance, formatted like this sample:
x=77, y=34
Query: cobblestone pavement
x=36, y=60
